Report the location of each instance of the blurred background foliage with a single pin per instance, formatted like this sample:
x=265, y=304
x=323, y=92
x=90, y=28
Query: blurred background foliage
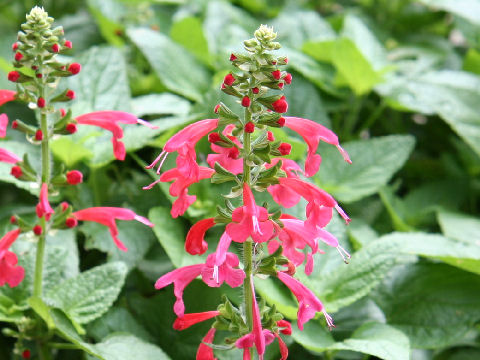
x=397, y=80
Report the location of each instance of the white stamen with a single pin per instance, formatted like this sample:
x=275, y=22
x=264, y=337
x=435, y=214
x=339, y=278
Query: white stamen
x=148, y=187
x=329, y=320
x=256, y=225
x=159, y=157
x=344, y=254
x=161, y=163
x=147, y=124
x=342, y=214
x=215, y=273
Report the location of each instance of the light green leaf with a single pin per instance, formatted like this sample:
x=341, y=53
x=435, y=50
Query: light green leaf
x=188, y=32
x=461, y=227
x=180, y=73
x=127, y=347
x=468, y=9
x=275, y=293
x=374, y=162
x=69, y=152
x=160, y=104
x=434, y=304
x=314, y=337
x=109, y=15
x=90, y=294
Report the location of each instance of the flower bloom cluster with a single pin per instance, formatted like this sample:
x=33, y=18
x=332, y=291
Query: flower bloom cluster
x=246, y=153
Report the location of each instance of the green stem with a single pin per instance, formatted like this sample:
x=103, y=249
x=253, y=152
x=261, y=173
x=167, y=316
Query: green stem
x=43, y=351
x=352, y=117
x=374, y=116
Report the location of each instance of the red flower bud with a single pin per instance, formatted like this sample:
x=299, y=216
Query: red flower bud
x=41, y=102
x=13, y=76
x=64, y=205
x=255, y=90
x=68, y=44
x=39, y=135
x=71, y=222
x=213, y=137
x=37, y=230
x=18, y=56
x=291, y=270
x=233, y=57
x=13, y=219
x=233, y=153
x=274, y=62
x=229, y=79
x=71, y=128
x=16, y=171
x=26, y=354
x=281, y=105
x=270, y=136
x=280, y=85
x=246, y=101
x=288, y=78
x=34, y=67
x=216, y=108
x=249, y=127
x=276, y=74
x=55, y=48
x=286, y=60
x=74, y=68
x=70, y=94
x=285, y=148
x=74, y=177
x=39, y=76
x=14, y=124
x=15, y=46
x=62, y=112
x=281, y=122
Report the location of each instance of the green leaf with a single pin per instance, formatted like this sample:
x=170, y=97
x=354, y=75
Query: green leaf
x=42, y=309
x=461, y=227
x=434, y=304
x=314, y=337
x=69, y=152
x=188, y=32
x=160, y=104
x=374, y=162
x=380, y=340
x=275, y=293
x=468, y=9
x=126, y=347
x=109, y=15
x=453, y=95
x=90, y=294
x=471, y=62
x=180, y=73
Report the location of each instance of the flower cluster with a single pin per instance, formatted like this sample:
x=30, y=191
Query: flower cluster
x=246, y=153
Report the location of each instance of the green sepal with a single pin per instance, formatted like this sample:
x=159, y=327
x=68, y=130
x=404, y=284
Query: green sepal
x=221, y=175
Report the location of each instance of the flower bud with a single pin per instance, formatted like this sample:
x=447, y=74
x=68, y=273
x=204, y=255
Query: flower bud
x=18, y=56
x=288, y=79
x=39, y=75
x=216, y=108
x=246, y=101
x=229, y=79
x=214, y=137
x=233, y=153
x=71, y=222
x=74, y=68
x=281, y=122
x=233, y=57
x=74, y=177
x=276, y=74
x=71, y=128
x=14, y=124
x=280, y=106
x=37, y=230
x=285, y=148
x=280, y=85
x=68, y=44
x=270, y=136
x=41, y=102
x=39, y=135
x=13, y=219
x=55, y=48
x=16, y=171
x=14, y=46
x=255, y=90
x=62, y=112
x=249, y=127
x=13, y=76
x=70, y=94
x=64, y=205
x=26, y=354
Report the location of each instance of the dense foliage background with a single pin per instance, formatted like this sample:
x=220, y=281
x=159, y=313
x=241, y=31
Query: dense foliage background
x=397, y=80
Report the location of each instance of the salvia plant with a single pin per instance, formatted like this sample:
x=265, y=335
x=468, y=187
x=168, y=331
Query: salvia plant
x=274, y=243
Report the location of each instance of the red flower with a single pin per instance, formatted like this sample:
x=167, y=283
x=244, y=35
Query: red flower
x=37, y=230
x=13, y=219
x=283, y=194
x=14, y=124
x=246, y=101
x=39, y=135
x=285, y=148
x=9, y=273
x=204, y=351
x=70, y=94
x=281, y=121
x=229, y=79
x=18, y=56
x=13, y=76
x=222, y=268
x=187, y=320
x=43, y=207
x=41, y=102
x=26, y=354
x=281, y=105
x=107, y=216
x=270, y=136
x=276, y=74
x=214, y=137
x=195, y=243
x=74, y=177
x=74, y=68
x=249, y=127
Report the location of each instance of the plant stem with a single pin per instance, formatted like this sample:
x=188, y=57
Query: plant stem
x=374, y=116
x=352, y=117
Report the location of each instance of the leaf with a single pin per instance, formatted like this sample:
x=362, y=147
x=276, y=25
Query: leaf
x=90, y=294
x=468, y=9
x=126, y=347
x=374, y=162
x=460, y=227
x=160, y=104
x=314, y=337
x=109, y=15
x=452, y=95
x=434, y=304
x=69, y=152
x=274, y=293
x=188, y=32
x=180, y=73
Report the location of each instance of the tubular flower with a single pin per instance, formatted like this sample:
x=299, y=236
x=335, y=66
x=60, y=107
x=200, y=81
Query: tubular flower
x=187, y=320
x=227, y=157
x=308, y=303
x=250, y=220
x=43, y=207
x=195, y=243
x=109, y=120
x=6, y=96
x=107, y=216
x=8, y=157
x=312, y=133
x=10, y=273
x=3, y=125
x=320, y=203
x=283, y=194
x=184, y=143
x=204, y=351
x=214, y=274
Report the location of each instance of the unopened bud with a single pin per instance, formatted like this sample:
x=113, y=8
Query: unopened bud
x=74, y=68
x=39, y=135
x=41, y=102
x=64, y=205
x=255, y=90
x=37, y=230
x=74, y=177
x=71, y=128
x=55, y=48
x=249, y=127
x=288, y=79
x=281, y=105
x=233, y=57
x=246, y=101
x=229, y=79
x=71, y=222
x=18, y=56
x=14, y=124
x=13, y=76
x=270, y=136
x=70, y=94
x=276, y=74
x=281, y=122
x=68, y=44
x=217, y=107
x=14, y=46
x=13, y=219
x=214, y=137
x=62, y=112
x=285, y=148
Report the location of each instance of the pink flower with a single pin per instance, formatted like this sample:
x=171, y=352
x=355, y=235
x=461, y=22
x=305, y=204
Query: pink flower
x=214, y=275
x=184, y=143
x=227, y=157
x=283, y=347
x=109, y=120
x=250, y=220
x=180, y=187
x=9, y=273
x=187, y=320
x=6, y=96
x=8, y=157
x=107, y=216
x=258, y=336
x=283, y=194
x=204, y=351
x=180, y=278
x=312, y=133
x=195, y=243
x=320, y=203
x=308, y=303
x=3, y=125
x=43, y=206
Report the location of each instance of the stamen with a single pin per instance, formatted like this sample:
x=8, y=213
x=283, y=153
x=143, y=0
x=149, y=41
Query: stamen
x=159, y=157
x=148, y=187
x=147, y=124
x=344, y=154
x=161, y=163
x=215, y=273
x=342, y=214
x=256, y=225
x=344, y=254
x=329, y=320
